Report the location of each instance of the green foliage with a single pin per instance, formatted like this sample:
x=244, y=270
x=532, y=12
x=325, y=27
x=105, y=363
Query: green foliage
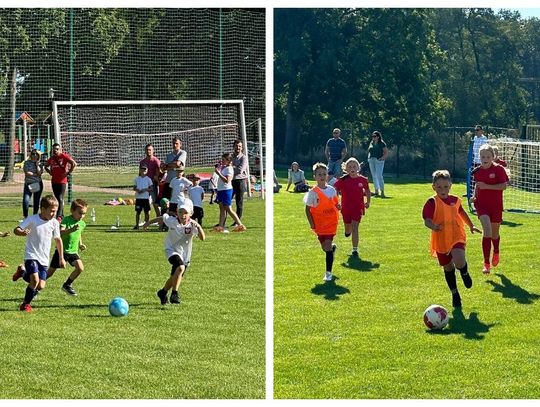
x=363, y=335
x=210, y=346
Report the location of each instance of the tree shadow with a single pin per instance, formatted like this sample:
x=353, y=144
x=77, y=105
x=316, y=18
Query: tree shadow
x=357, y=263
x=512, y=291
x=330, y=290
x=511, y=224
x=470, y=328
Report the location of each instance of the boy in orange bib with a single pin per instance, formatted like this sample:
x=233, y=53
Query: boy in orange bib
x=322, y=212
x=446, y=218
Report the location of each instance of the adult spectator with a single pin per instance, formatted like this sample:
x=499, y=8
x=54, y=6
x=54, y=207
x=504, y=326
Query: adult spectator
x=377, y=153
x=335, y=151
x=59, y=166
x=153, y=164
x=33, y=184
x=296, y=177
x=239, y=181
x=174, y=160
x=478, y=140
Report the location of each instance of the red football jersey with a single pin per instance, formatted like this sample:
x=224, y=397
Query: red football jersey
x=352, y=192
x=489, y=198
x=59, y=166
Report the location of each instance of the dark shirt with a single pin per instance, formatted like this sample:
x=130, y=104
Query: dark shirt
x=335, y=147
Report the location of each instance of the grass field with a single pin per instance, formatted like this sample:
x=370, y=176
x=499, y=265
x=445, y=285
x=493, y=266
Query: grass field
x=210, y=346
x=362, y=336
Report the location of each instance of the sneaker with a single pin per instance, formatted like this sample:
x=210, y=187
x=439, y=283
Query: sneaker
x=175, y=298
x=328, y=276
x=69, y=289
x=467, y=280
x=239, y=228
x=495, y=260
x=354, y=253
x=19, y=273
x=25, y=307
x=456, y=300
x=486, y=268
x=162, y=294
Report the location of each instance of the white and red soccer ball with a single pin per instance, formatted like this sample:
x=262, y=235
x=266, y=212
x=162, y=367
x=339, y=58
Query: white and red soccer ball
x=436, y=317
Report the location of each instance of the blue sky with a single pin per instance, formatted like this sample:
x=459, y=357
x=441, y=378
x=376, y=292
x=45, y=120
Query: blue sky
x=526, y=12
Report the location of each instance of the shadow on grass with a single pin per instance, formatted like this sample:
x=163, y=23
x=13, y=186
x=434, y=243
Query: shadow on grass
x=470, y=328
x=512, y=291
x=330, y=290
x=511, y=224
x=357, y=263
x=37, y=305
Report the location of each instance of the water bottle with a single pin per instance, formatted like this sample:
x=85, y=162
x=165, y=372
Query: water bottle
x=117, y=224
x=93, y=215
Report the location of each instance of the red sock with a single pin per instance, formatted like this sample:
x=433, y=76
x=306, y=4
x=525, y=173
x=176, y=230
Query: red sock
x=496, y=244
x=486, y=248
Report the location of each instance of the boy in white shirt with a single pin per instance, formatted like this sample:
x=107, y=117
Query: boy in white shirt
x=196, y=194
x=143, y=186
x=40, y=230
x=225, y=174
x=179, y=186
x=178, y=247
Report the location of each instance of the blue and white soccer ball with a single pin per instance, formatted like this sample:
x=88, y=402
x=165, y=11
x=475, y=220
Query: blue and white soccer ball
x=118, y=307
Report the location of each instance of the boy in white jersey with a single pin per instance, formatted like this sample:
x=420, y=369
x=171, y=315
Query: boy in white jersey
x=39, y=230
x=196, y=194
x=179, y=186
x=143, y=187
x=178, y=247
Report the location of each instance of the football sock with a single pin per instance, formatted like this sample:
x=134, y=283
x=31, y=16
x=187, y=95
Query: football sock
x=68, y=281
x=467, y=280
x=329, y=260
x=496, y=244
x=450, y=277
x=486, y=248
x=29, y=295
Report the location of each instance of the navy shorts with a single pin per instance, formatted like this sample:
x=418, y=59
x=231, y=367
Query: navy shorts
x=225, y=197
x=31, y=267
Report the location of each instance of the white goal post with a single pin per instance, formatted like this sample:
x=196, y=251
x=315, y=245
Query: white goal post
x=111, y=135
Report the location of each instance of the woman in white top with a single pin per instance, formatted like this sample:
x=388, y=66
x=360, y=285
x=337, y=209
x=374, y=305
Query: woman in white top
x=296, y=177
x=225, y=173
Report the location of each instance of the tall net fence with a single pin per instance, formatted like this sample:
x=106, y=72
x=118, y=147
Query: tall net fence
x=124, y=54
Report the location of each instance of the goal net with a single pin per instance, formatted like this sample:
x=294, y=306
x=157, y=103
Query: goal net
x=112, y=135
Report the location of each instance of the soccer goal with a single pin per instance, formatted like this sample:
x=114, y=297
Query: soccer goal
x=256, y=153
x=110, y=136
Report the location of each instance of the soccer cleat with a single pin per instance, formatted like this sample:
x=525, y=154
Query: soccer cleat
x=467, y=280
x=175, y=298
x=328, y=276
x=495, y=260
x=18, y=274
x=239, y=228
x=456, y=300
x=69, y=289
x=25, y=307
x=354, y=253
x=162, y=294
x=486, y=268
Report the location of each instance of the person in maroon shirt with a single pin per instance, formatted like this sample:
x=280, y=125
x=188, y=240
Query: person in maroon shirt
x=491, y=180
x=353, y=187
x=153, y=164
x=59, y=166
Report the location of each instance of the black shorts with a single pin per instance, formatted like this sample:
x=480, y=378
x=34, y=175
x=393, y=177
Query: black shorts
x=142, y=204
x=70, y=258
x=198, y=212
x=176, y=261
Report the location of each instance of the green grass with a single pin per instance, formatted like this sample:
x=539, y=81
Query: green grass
x=211, y=346
x=363, y=336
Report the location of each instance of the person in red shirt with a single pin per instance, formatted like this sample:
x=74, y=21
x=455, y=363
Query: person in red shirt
x=354, y=188
x=445, y=216
x=153, y=164
x=59, y=166
x=491, y=180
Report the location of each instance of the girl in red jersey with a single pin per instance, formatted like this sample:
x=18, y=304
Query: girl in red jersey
x=353, y=188
x=445, y=216
x=322, y=212
x=491, y=180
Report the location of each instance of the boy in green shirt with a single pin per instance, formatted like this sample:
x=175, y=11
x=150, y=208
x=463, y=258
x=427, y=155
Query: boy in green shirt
x=71, y=229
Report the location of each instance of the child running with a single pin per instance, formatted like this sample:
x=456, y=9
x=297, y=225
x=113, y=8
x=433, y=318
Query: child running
x=355, y=198
x=491, y=180
x=445, y=216
x=40, y=230
x=178, y=247
x=71, y=229
x=322, y=212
